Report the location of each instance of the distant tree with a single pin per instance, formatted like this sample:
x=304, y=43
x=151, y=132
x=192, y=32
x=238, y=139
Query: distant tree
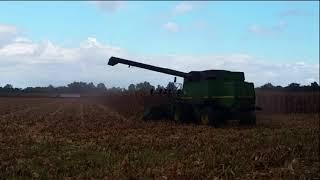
x=144, y=86
x=81, y=87
x=101, y=87
x=131, y=88
x=115, y=90
x=293, y=87
x=171, y=86
x=91, y=86
x=8, y=86
x=159, y=87
x=315, y=86
x=267, y=86
x=50, y=88
x=76, y=86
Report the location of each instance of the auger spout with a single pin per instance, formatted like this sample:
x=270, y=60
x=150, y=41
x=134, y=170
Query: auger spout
x=115, y=60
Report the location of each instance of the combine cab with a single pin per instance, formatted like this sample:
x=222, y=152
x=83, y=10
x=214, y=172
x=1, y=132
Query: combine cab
x=208, y=97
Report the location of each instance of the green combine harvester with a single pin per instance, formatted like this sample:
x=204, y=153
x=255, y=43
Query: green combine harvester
x=208, y=97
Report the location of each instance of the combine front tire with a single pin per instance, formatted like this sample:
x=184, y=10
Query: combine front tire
x=179, y=114
x=205, y=118
x=210, y=117
x=183, y=113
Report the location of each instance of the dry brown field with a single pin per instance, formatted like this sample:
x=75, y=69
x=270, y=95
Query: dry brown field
x=288, y=102
x=55, y=138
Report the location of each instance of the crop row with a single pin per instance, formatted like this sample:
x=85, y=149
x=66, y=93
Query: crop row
x=85, y=138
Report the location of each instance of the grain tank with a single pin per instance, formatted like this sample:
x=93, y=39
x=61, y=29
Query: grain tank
x=208, y=97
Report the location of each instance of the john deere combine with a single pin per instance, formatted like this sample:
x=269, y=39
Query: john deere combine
x=208, y=97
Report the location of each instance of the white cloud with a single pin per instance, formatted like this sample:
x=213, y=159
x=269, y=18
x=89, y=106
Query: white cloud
x=310, y=80
x=27, y=63
x=22, y=40
x=171, y=26
x=7, y=33
x=18, y=49
x=295, y=12
x=264, y=30
x=108, y=6
x=188, y=6
x=183, y=7
x=179, y=9
x=7, y=29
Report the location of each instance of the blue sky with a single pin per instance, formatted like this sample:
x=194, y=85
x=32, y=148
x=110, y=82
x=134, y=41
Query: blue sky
x=273, y=32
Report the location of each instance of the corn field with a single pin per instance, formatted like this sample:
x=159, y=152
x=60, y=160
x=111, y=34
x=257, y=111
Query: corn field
x=288, y=102
x=81, y=138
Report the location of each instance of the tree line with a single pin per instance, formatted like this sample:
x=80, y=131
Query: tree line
x=292, y=87
x=83, y=87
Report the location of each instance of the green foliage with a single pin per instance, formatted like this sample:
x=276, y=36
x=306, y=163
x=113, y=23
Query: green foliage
x=291, y=87
x=8, y=86
x=83, y=87
x=171, y=86
x=159, y=87
x=101, y=87
x=144, y=86
x=132, y=88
